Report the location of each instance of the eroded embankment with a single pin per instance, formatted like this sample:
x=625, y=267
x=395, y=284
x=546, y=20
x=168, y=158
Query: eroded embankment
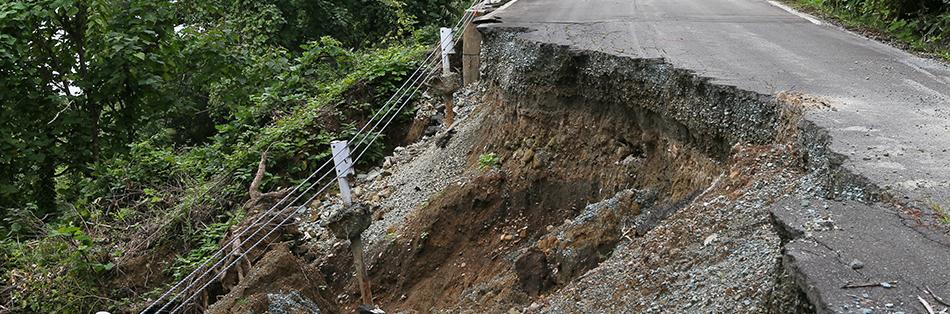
x=595, y=153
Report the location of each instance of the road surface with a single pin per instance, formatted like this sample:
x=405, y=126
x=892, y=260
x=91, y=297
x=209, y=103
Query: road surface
x=887, y=113
x=889, y=110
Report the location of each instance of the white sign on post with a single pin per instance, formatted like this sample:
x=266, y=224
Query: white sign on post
x=447, y=45
x=344, y=167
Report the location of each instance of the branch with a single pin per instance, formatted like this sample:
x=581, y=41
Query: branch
x=61, y=111
x=936, y=297
x=865, y=285
x=254, y=191
x=929, y=308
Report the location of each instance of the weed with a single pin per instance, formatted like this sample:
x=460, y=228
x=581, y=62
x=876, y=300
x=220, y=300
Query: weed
x=487, y=161
x=206, y=241
x=942, y=211
x=424, y=236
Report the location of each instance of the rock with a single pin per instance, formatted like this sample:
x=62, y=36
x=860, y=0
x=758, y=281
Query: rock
x=528, y=155
x=578, y=246
x=384, y=193
x=856, y=264
x=372, y=175
x=351, y=221
x=290, y=303
x=436, y=119
x=432, y=130
x=278, y=283
x=369, y=309
x=533, y=272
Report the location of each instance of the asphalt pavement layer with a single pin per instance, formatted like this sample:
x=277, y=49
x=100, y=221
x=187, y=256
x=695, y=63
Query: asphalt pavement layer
x=889, y=111
x=884, y=113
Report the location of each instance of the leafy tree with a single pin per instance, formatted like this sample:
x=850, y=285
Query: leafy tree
x=77, y=79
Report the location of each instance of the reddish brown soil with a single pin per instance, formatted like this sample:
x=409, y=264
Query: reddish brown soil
x=554, y=162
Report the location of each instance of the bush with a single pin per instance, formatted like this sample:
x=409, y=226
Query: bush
x=925, y=25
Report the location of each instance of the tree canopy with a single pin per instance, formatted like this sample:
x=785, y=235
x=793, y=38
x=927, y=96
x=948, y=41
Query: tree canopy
x=81, y=80
x=153, y=114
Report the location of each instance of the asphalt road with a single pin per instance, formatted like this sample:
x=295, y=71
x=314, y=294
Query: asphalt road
x=889, y=110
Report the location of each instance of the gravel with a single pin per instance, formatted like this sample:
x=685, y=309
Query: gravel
x=408, y=178
x=719, y=254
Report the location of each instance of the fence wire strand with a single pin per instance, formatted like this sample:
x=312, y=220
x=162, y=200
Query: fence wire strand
x=402, y=97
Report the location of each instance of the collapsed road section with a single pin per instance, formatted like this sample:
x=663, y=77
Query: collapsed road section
x=580, y=181
x=576, y=181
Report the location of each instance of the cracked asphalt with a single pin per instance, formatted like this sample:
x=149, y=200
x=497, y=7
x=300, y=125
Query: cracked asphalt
x=881, y=132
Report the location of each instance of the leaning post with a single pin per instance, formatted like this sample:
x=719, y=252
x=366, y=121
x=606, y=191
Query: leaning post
x=447, y=45
x=344, y=167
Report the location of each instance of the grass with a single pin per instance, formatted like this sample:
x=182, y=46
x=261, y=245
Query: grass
x=942, y=212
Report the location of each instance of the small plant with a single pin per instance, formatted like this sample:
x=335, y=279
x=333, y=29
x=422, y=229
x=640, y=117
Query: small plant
x=424, y=205
x=487, y=161
x=942, y=211
x=424, y=236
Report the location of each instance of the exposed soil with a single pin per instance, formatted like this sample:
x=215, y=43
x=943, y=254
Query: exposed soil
x=621, y=185
x=609, y=170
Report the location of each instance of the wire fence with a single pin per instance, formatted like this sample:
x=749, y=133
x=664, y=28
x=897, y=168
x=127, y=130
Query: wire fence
x=384, y=116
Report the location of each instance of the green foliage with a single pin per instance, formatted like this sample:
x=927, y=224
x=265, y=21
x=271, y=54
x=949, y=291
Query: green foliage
x=206, y=242
x=487, y=161
x=292, y=23
x=63, y=269
x=77, y=78
x=942, y=212
x=925, y=25
x=119, y=118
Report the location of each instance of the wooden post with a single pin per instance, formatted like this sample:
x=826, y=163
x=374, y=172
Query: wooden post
x=448, y=80
x=357, y=245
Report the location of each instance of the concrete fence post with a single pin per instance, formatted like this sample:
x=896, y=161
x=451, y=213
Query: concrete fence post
x=447, y=45
x=344, y=167
x=471, y=48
